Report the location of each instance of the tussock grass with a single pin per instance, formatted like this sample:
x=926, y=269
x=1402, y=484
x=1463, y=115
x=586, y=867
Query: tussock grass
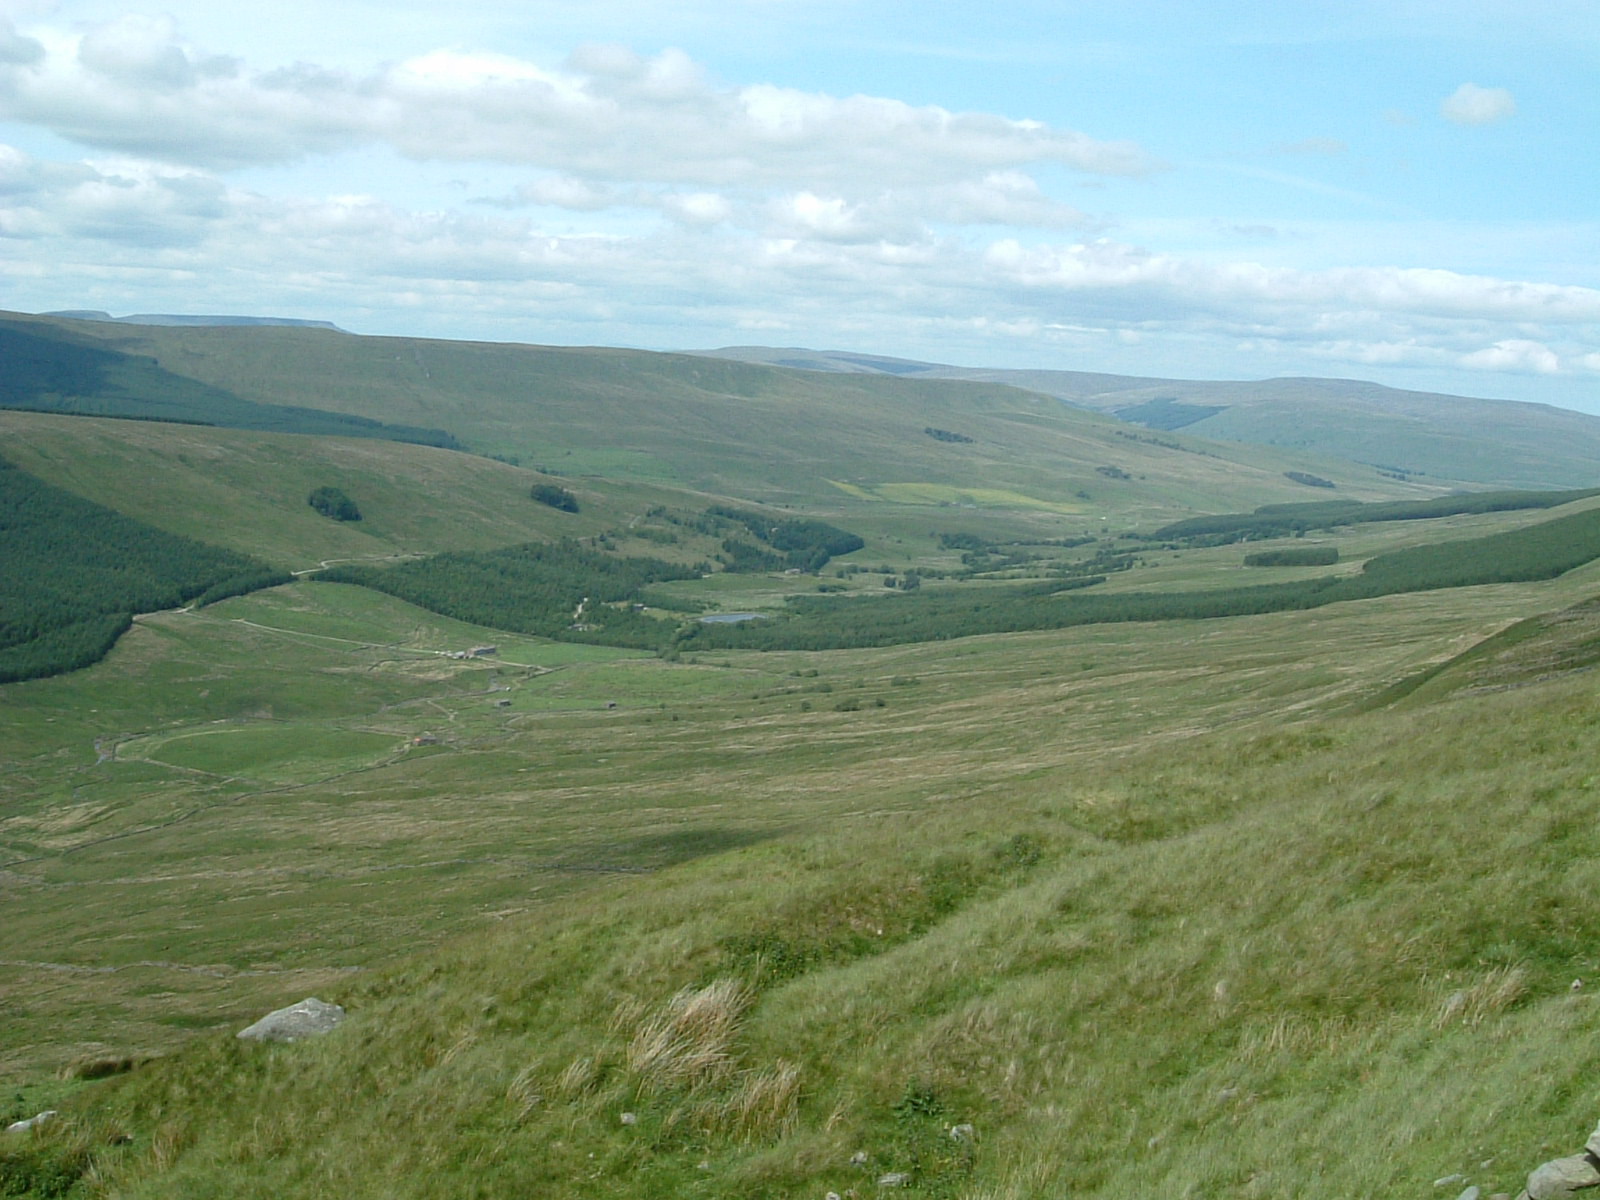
x=689, y=1042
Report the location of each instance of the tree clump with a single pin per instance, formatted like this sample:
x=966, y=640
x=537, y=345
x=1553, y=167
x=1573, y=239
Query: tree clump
x=332, y=503
x=555, y=497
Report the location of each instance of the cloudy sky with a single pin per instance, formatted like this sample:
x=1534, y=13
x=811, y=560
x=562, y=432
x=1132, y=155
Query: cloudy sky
x=1399, y=190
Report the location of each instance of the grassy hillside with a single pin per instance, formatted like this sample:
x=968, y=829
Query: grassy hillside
x=1488, y=442
x=1090, y=893
x=778, y=436
x=248, y=491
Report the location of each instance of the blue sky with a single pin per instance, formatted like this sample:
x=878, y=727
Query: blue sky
x=1401, y=191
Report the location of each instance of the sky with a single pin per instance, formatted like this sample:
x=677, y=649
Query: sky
x=1406, y=191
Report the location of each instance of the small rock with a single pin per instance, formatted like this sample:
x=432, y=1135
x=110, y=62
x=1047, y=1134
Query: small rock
x=24, y=1126
x=1563, y=1177
x=1472, y=1193
x=858, y=1159
x=894, y=1179
x=630, y=1118
x=1577, y=985
x=1449, y=1180
x=963, y=1133
x=833, y=1196
x=310, y=1018
x=1593, y=1144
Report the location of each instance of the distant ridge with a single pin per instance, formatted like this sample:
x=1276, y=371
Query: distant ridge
x=89, y=314
x=1505, y=443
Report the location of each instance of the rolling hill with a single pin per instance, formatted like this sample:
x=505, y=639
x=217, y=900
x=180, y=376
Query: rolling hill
x=763, y=433
x=1499, y=442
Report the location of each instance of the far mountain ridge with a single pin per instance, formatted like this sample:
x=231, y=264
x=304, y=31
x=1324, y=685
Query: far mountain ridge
x=1410, y=432
x=189, y=319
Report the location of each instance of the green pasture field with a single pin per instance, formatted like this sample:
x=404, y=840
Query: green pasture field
x=287, y=753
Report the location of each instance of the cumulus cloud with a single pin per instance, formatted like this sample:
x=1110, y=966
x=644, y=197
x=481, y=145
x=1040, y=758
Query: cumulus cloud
x=1515, y=354
x=1470, y=104
x=608, y=113
x=563, y=191
x=698, y=208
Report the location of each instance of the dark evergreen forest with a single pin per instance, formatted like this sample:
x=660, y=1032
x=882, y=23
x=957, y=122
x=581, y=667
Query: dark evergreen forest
x=1285, y=520
x=73, y=573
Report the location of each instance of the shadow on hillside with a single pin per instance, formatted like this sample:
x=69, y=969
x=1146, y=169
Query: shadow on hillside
x=655, y=850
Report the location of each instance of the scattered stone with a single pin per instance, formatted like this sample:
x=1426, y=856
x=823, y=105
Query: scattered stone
x=310, y=1018
x=1593, y=1144
x=963, y=1133
x=894, y=1179
x=1577, y=985
x=833, y=1196
x=1472, y=1193
x=630, y=1118
x=31, y=1122
x=858, y=1159
x=1563, y=1177
x=1449, y=1181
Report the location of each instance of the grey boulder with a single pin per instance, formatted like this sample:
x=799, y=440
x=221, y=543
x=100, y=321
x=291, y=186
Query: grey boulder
x=310, y=1018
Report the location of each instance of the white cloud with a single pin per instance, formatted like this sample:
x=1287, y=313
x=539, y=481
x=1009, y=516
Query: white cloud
x=132, y=86
x=563, y=191
x=1515, y=354
x=698, y=208
x=1470, y=104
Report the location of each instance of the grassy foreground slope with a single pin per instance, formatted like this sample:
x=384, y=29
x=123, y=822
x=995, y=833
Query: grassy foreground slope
x=1030, y=895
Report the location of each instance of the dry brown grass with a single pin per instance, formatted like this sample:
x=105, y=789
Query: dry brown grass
x=1493, y=992
x=688, y=1043
x=764, y=1105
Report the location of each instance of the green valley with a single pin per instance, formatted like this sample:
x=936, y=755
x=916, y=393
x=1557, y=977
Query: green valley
x=1211, y=880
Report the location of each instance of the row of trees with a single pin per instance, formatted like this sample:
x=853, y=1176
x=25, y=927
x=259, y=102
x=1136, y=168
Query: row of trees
x=1284, y=520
